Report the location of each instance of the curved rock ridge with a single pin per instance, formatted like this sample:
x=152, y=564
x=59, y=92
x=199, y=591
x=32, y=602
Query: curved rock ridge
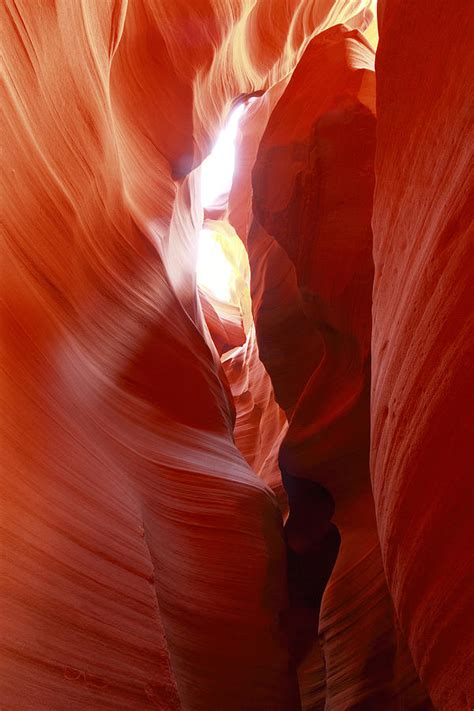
x=260, y=423
x=224, y=322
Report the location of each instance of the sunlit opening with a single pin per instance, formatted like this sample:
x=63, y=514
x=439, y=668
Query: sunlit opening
x=214, y=271
x=219, y=264
x=371, y=32
x=223, y=273
x=218, y=168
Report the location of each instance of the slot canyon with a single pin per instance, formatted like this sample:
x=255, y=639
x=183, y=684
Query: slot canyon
x=237, y=355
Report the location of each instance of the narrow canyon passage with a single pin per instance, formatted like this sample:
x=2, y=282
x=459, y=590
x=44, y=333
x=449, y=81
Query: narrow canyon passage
x=237, y=355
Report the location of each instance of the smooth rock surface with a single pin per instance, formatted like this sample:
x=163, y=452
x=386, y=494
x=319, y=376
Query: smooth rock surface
x=147, y=557
x=422, y=392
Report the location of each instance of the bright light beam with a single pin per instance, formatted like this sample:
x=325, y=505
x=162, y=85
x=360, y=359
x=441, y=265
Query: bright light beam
x=214, y=271
x=218, y=168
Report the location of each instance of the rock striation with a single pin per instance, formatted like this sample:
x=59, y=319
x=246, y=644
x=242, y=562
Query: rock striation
x=262, y=504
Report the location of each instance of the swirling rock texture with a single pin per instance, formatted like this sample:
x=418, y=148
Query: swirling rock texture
x=260, y=423
x=144, y=559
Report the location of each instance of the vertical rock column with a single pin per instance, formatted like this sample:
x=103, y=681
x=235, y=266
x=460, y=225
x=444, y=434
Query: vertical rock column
x=423, y=359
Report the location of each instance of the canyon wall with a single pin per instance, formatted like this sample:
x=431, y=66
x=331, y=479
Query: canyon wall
x=144, y=560
x=310, y=250
x=422, y=360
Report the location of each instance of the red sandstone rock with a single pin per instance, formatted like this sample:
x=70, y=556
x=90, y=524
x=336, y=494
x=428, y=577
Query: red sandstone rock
x=225, y=325
x=260, y=423
x=422, y=419
x=310, y=250
x=143, y=560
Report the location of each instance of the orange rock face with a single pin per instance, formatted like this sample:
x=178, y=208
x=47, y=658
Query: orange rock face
x=313, y=182
x=422, y=415
x=188, y=518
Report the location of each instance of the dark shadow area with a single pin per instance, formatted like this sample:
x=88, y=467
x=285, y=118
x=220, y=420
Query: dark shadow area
x=312, y=545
